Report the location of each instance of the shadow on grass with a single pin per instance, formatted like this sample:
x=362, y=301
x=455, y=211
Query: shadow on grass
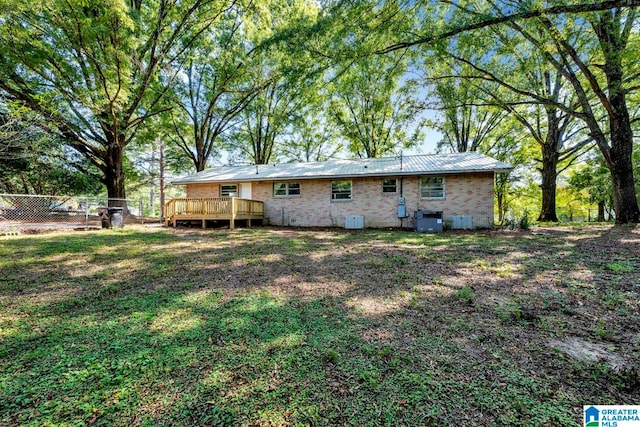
x=227, y=328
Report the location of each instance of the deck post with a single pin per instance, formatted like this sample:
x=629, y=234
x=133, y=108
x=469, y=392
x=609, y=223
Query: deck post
x=232, y=221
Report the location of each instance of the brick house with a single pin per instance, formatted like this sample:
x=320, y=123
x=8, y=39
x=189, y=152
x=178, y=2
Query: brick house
x=326, y=193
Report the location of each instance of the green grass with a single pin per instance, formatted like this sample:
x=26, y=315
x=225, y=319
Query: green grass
x=620, y=267
x=257, y=327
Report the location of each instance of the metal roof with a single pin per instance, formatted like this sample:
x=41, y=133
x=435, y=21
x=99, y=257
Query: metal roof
x=430, y=164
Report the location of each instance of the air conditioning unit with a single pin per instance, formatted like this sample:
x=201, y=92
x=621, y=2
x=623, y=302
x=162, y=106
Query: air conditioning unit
x=354, y=222
x=428, y=221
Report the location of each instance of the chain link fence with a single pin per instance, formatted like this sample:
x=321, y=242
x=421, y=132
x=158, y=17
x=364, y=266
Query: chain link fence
x=20, y=213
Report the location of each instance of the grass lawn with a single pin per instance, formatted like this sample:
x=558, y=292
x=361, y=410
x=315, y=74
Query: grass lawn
x=276, y=327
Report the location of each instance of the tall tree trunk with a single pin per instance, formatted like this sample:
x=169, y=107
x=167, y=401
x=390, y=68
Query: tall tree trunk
x=549, y=169
x=548, y=187
x=601, y=211
x=624, y=192
x=161, y=179
x=613, y=38
x=619, y=155
x=620, y=160
x=201, y=164
x=114, y=173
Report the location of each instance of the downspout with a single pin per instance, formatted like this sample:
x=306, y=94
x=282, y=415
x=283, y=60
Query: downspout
x=401, y=189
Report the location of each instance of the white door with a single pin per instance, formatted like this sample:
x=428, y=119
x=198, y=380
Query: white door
x=245, y=190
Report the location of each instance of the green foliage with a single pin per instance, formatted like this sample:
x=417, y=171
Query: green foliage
x=330, y=356
x=373, y=108
x=524, y=222
x=592, y=181
x=90, y=70
x=619, y=267
x=465, y=295
x=33, y=161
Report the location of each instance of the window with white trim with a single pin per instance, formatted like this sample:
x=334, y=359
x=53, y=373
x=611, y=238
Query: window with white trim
x=432, y=187
x=227, y=190
x=284, y=189
x=389, y=185
x=341, y=190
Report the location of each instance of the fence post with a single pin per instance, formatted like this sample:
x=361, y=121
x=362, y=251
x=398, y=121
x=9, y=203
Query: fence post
x=232, y=221
x=86, y=213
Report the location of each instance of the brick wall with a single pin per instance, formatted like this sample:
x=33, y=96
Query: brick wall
x=203, y=190
x=470, y=194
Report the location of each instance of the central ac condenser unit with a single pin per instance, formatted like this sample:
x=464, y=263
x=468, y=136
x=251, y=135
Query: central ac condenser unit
x=428, y=221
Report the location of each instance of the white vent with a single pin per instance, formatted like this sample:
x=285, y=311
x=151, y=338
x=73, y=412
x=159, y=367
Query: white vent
x=354, y=222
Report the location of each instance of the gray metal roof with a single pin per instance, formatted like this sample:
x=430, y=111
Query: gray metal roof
x=385, y=166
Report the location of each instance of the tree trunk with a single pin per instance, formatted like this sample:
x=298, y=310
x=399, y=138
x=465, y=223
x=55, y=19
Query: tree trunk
x=624, y=192
x=114, y=174
x=549, y=185
x=161, y=179
x=550, y=158
x=601, y=211
x=619, y=158
x=618, y=155
x=501, y=191
x=201, y=164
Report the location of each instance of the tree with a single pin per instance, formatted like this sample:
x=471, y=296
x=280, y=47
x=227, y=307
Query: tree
x=560, y=139
x=467, y=119
x=214, y=88
x=35, y=162
x=284, y=75
x=601, y=70
x=594, y=178
x=90, y=69
x=374, y=104
x=312, y=140
x=265, y=120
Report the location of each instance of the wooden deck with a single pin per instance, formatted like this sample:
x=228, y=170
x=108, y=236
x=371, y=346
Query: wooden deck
x=219, y=208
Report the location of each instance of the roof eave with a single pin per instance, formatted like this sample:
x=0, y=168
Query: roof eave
x=344, y=176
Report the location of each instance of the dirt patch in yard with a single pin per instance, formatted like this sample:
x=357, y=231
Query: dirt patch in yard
x=582, y=350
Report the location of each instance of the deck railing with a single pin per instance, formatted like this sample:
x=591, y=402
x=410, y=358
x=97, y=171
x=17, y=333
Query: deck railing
x=228, y=208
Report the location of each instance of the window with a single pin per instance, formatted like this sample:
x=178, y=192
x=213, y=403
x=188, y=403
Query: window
x=229, y=190
x=389, y=185
x=283, y=189
x=432, y=187
x=340, y=190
